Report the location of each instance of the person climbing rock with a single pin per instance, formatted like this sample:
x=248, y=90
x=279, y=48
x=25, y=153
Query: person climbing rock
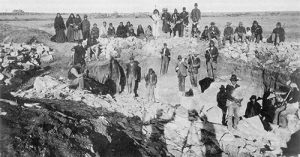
x=221, y=99
x=157, y=136
x=211, y=56
x=181, y=69
x=232, y=103
x=194, y=65
x=131, y=75
x=253, y=107
x=151, y=81
x=165, y=59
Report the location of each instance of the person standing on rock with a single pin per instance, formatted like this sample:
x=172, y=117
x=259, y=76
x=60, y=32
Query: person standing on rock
x=166, y=18
x=79, y=54
x=76, y=76
x=253, y=107
x=240, y=33
x=104, y=30
x=211, y=56
x=156, y=23
x=195, y=15
x=181, y=69
x=184, y=20
x=175, y=23
x=131, y=75
x=151, y=81
x=138, y=80
x=70, y=28
x=232, y=103
x=157, y=136
x=121, y=31
x=86, y=28
x=194, y=65
x=228, y=33
x=165, y=59
x=60, y=27
x=221, y=99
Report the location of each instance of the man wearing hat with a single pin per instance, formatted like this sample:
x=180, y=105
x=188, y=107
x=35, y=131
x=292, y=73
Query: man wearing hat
x=131, y=75
x=165, y=59
x=240, y=33
x=194, y=65
x=79, y=54
x=86, y=28
x=221, y=99
x=211, y=56
x=166, y=18
x=213, y=32
x=184, y=17
x=232, y=103
x=181, y=69
x=253, y=107
x=228, y=33
x=195, y=15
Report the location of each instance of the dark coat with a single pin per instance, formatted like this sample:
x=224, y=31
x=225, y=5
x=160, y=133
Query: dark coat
x=78, y=23
x=166, y=17
x=252, y=109
x=228, y=31
x=280, y=32
x=140, y=31
x=240, y=30
x=111, y=31
x=204, y=35
x=221, y=99
x=151, y=79
x=195, y=15
x=79, y=55
x=211, y=53
x=86, y=25
x=182, y=71
x=184, y=17
x=70, y=21
x=214, y=31
x=59, y=23
x=256, y=30
x=95, y=33
x=167, y=53
x=194, y=63
x=229, y=91
x=131, y=69
x=121, y=32
x=175, y=17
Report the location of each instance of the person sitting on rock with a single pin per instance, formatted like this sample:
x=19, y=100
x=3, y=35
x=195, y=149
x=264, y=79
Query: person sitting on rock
x=165, y=59
x=151, y=81
x=249, y=36
x=157, y=136
x=111, y=30
x=75, y=75
x=228, y=33
x=240, y=33
x=181, y=69
x=278, y=35
x=232, y=103
x=195, y=32
x=253, y=107
x=131, y=75
x=213, y=32
x=121, y=31
x=140, y=32
x=148, y=32
x=211, y=55
x=221, y=99
x=256, y=31
x=79, y=54
x=204, y=35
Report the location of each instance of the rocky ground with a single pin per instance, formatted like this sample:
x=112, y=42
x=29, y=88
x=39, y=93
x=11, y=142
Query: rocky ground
x=49, y=113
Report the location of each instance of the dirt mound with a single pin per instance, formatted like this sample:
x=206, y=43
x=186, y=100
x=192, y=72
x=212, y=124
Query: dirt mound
x=22, y=34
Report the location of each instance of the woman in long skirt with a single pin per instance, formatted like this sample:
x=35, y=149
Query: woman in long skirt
x=78, y=28
x=60, y=27
x=156, y=23
x=70, y=25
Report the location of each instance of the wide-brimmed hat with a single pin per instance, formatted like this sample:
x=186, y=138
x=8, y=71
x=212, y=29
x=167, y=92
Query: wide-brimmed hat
x=85, y=16
x=212, y=23
x=233, y=78
x=228, y=23
x=195, y=4
x=165, y=9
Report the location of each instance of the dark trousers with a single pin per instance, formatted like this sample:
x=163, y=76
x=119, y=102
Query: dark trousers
x=164, y=65
x=194, y=79
x=177, y=28
x=223, y=107
x=181, y=83
x=136, y=86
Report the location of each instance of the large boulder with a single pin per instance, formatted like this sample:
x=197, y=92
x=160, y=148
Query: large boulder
x=45, y=83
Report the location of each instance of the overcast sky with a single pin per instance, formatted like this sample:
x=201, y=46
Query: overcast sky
x=103, y=6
